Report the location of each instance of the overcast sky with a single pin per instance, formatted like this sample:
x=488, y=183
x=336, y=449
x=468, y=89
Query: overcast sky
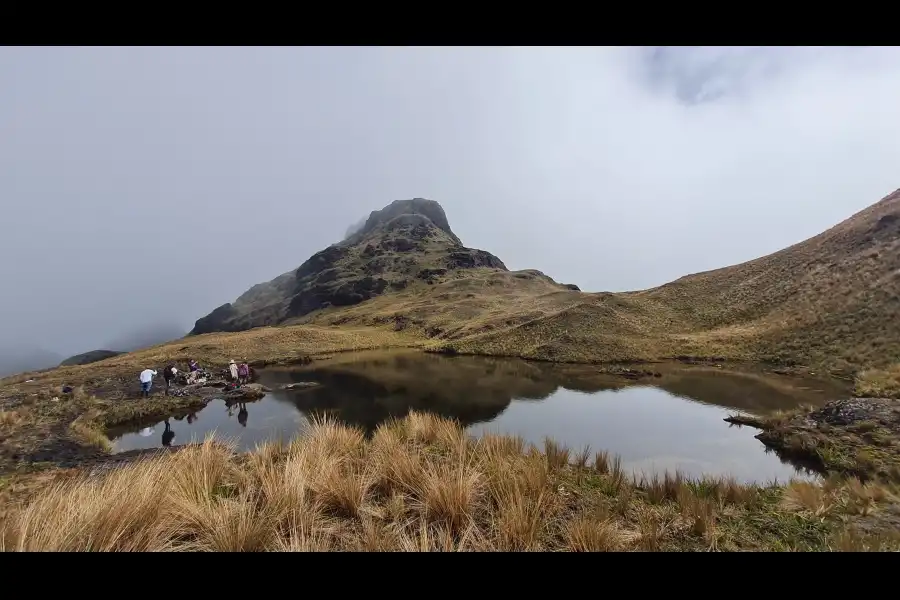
x=145, y=185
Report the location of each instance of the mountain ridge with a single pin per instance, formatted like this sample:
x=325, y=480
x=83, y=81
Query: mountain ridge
x=830, y=300
x=407, y=241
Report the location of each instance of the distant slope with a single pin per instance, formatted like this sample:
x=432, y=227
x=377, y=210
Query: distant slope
x=86, y=358
x=24, y=359
x=832, y=301
x=832, y=298
x=146, y=336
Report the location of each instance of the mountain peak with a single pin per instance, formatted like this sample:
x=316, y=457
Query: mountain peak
x=406, y=243
x=417, y=211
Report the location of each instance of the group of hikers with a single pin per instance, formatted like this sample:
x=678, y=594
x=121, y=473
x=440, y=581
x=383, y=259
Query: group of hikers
x=239, y=375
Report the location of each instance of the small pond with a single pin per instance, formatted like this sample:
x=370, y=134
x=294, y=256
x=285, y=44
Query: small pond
x=672, y=422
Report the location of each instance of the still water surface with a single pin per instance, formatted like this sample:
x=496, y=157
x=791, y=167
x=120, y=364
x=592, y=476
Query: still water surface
x=673, y=422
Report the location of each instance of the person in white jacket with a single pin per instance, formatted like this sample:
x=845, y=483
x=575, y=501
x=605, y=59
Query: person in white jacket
x=146, y=382
x=232, y=368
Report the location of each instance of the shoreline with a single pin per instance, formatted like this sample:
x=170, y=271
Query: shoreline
x=421, y=484
x=853, y=437
x=66, y=438
x=117, y=405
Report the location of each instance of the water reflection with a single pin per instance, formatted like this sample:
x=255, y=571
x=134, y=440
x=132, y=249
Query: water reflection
x=670, y=422
x=168, y=435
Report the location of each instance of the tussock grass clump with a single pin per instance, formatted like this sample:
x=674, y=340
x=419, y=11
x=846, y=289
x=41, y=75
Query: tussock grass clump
x=878, y=383
x=420, y=484
x=11, y=417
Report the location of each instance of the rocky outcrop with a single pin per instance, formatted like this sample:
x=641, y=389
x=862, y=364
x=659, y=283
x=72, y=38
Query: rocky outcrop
x=218, y=320
x=417, y=211
x=407, y=242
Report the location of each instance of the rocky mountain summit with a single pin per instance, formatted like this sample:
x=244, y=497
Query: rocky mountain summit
x=406, y=242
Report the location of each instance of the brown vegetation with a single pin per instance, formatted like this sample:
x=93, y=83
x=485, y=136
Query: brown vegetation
x=879, y=383
x=858, y=437
x=41, y=424
x=421, y=484
x=263, y=346
x=828, y=302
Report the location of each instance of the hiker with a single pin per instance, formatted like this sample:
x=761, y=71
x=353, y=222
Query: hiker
x=146, y=382
x=242, y=414
x=168, y=435
x=169, y=375
x=233, y=369
x=193, y=366
x=243, y=373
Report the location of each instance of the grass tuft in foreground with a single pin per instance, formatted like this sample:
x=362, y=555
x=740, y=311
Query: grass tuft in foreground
x=421, y=484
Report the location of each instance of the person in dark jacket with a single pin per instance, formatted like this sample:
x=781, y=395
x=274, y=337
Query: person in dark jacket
x=169, y=375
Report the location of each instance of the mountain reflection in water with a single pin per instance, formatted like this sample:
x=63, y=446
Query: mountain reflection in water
x=674, y=421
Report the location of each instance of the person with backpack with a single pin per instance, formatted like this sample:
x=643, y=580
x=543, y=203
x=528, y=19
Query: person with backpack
x=243, y=373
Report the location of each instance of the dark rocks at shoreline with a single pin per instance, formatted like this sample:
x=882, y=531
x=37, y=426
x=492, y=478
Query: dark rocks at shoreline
x=302, y=385
x=852, y=436
x=844, y=413
x=699, y=360
x=179, y=392
x=851, y=411
x=250, y=391
x=636, y=373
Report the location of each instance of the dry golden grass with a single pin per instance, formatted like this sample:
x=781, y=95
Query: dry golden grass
x=266, y=345
x=877, y=383
x=828, y=302
x=861, y=443
x=36, y=412
x=422, y=485
x=10, y=417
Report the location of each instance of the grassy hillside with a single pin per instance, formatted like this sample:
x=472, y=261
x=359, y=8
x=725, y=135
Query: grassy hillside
x=264, y=345
x=831, y=302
